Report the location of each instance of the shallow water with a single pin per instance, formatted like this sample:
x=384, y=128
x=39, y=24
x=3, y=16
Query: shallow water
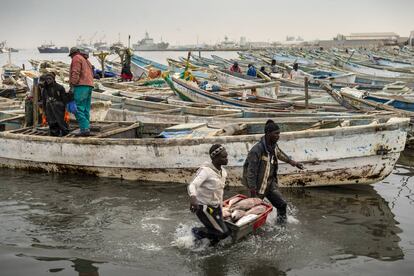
x=76, y=225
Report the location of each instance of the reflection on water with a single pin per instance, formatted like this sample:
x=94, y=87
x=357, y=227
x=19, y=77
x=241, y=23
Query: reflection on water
x=356, y=219
x=93, y=223
x=83, y=267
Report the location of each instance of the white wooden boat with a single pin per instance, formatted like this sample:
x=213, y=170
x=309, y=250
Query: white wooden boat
x=375, y=73
x=268, y=89
x=360, y=154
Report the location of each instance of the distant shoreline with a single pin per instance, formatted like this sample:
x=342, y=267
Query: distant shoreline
x=202, y=50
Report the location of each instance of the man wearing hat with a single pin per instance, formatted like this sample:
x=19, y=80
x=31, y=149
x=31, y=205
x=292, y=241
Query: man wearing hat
x=206, y=196
x=81, y=83
x=260, y=169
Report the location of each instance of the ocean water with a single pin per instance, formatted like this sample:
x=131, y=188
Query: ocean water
x=77, y=225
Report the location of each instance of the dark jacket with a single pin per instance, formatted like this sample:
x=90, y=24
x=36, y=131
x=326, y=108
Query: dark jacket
x=260, y=167
x=54, y=92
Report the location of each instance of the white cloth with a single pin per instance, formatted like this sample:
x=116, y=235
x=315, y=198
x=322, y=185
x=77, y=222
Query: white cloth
x=208, y=184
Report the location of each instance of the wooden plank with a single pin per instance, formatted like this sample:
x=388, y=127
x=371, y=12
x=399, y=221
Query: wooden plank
x=116, y=131
x=11, y=118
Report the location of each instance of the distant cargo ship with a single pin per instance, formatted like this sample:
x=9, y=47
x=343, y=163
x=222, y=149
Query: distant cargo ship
x=147, y=44
x=51, y=48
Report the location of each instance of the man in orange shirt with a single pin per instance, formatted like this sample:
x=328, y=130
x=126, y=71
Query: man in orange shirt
x=81, y=83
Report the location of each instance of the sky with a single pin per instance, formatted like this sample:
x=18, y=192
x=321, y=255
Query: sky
x=29, y=23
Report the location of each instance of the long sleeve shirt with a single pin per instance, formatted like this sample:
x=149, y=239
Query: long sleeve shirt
x=208, y=185
x=260, y=167
x=81, y=72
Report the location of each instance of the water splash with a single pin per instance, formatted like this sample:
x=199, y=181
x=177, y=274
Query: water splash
x=184, y=239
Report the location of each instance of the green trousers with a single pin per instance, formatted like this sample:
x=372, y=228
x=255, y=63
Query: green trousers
x=82, y=96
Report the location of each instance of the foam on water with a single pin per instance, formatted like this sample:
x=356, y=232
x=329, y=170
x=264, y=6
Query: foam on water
x=157, y=218
x=291, y=219
x=184, y=239
x=150, y=247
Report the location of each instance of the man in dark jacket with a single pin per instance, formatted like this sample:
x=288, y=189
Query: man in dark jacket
x=54, y=99
x=260, y=169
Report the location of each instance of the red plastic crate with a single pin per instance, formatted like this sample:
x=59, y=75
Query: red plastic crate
x=239, y=232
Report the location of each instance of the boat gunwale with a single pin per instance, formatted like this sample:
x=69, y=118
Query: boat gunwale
x=402, y=123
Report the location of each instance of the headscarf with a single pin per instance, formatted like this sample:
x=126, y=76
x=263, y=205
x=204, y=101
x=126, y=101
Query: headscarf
x=216, y=150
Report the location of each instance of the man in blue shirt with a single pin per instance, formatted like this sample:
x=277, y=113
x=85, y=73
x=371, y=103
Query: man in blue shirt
x=251, y=71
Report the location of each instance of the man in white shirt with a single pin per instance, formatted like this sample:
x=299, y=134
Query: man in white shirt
x=206, y=196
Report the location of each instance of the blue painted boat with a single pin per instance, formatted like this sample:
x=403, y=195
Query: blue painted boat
x=143, y=62
x=391, y=63
x=291, y=59
x=396, y=103
x=189, y=92
x=140, y=64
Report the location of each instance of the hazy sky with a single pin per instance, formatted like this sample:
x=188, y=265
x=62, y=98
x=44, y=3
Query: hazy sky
x=28, y=23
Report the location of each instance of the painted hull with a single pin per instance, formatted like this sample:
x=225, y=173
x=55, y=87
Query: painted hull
x=195, y=94
x=138, y=70
x=228, y=79
x=53, y=50
x=399, y=104
x=344, y=78
x=377, y=73
x=349, y=155
x=143, y=62
x=390, y=63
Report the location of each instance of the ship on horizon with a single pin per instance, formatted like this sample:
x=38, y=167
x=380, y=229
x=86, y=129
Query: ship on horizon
x=148, y=44
x=51, y=48
x=4, y=49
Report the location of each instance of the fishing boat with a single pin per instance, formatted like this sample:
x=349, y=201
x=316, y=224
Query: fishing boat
x=141, y=65
x=394, y=103
x=143, y=62
x=147, y=104
x=237, y=97
x=349, y=154
x=268, y=89
x=391, y=63
x=353, y=99
x=374, y=73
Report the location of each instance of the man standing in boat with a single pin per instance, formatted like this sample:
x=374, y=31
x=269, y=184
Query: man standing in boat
x=81, y=83
x=126, y=74
x=206, y=196
x=251, y=71
x=54, y=100
x=294, y=73
x=235, y=68
x=273, y=67
x=260, y=169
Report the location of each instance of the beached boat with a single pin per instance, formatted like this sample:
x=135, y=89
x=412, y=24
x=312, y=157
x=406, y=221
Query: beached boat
x=267, y=89
x=356, y=154
x=357, y=100
x=391, y=63
x=188, y=91
x=160, y=106
x=376, y=74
